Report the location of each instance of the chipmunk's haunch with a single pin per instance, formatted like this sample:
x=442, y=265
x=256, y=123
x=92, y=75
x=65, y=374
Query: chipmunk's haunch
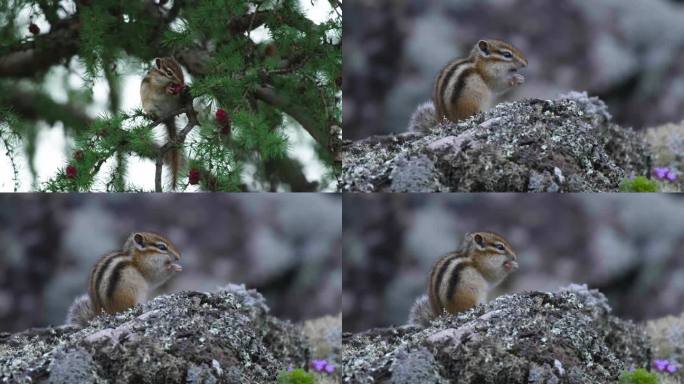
x=461, y=280
x=160, y=93
x=467, y=86
x=122, y=279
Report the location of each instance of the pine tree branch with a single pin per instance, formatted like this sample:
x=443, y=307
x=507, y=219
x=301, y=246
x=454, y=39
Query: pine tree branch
x=30, y=57
x=316, y=129
x=26, y=104
x=289, y=171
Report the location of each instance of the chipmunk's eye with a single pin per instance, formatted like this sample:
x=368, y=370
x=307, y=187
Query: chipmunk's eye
x=162, y=247
x=499, y=246
x=507, y=54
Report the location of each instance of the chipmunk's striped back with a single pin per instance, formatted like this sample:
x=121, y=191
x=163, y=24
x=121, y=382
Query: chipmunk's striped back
x=444, y=279
x=105, y=277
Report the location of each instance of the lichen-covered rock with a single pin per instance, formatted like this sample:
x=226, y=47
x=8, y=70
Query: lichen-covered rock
x=193, y=337
x=563, y=145
x=535, y=337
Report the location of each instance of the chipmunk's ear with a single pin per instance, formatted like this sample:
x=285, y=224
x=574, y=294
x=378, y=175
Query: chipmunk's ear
x=138, y=241
x=157, y=62
x=483, y=48
x=477, y=238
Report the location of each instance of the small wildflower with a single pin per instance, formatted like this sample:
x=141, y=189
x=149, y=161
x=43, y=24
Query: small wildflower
x=322, y=366
x=664, y=174
x=662, y=365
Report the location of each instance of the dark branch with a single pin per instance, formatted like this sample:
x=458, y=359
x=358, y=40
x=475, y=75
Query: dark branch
x=315, y=128
x=25, y=104
x=30, y=57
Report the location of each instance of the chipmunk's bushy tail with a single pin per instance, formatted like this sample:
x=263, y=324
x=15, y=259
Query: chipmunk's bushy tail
x=174, y=158
x=424, y=118
x=421, y=312
x=80, y=312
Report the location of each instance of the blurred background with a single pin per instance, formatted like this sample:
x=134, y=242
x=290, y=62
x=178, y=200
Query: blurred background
x=630, y=53
x=629, y=246
x=287, y=246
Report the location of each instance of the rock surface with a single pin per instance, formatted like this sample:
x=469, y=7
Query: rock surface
x=536, y=337
x=189, y=337
x=564, y=145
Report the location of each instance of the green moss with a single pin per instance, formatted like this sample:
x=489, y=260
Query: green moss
x=639, y=376
x=297, y=376
x=638, y=184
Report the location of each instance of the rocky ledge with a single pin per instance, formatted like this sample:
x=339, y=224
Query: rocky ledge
x=563, y=145
x=535, y=337
x=189, y=337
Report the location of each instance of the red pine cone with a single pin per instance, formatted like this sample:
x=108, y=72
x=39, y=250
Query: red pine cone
x=71, y=172
x=174, y=89
x=221, y=116
x=34, y=29
x=194, y=176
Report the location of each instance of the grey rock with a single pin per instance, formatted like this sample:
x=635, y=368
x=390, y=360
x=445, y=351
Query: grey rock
x=564, y=145
x=415, y=367
x=413, y=175
x=72, y=367
x=569, y=336
x=195, y=337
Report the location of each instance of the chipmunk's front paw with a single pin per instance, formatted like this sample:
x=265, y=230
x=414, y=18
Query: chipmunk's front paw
x=174, y=89
x=516, y=79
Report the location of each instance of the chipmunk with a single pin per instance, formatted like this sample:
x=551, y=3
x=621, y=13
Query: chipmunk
x=122, y=279
x=467, y=86
x=160, y=93
x=461, y=279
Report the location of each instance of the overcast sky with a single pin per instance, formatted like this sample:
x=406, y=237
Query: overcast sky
x=53, y=146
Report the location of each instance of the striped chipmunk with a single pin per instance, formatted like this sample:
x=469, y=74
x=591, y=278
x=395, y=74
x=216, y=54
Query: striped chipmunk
x=122, y=279
x=467, y=86
x=461, y=279
x=160, y=93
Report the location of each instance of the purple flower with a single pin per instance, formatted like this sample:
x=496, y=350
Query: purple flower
x=660, y=365
x=322, y=366
x=664, y=174
x=319, y=365
x=664, y=366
